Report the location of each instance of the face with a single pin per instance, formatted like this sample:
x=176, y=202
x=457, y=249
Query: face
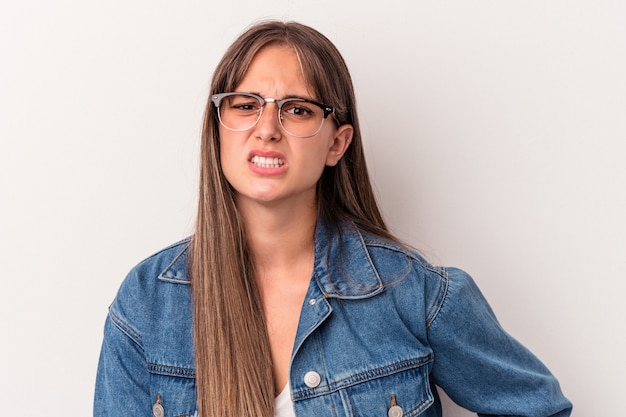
x=264, y=164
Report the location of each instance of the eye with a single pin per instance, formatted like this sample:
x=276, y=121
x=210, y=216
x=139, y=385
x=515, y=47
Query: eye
x=298, y=109
x=244, y=104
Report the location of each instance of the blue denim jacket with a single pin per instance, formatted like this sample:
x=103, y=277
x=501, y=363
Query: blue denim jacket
x=379, y=328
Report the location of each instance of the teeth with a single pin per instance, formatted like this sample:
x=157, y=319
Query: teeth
x=266, y=162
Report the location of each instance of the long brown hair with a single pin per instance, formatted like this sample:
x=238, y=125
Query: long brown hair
x=233, y=360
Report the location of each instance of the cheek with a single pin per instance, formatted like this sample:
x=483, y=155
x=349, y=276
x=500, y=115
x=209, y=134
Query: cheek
x=230, y=142
x=226, y=156
x=314, y=159
x=320, y=152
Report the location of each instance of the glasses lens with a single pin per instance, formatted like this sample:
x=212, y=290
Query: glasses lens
x=239, y=111
x=300, y=118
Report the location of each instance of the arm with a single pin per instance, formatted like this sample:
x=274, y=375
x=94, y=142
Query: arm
x=480, y=366
x=122, y=383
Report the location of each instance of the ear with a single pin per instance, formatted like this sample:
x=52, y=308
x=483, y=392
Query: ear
x=341, y=140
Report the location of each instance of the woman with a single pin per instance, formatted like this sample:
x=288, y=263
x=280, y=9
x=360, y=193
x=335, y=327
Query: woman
x=292, y=298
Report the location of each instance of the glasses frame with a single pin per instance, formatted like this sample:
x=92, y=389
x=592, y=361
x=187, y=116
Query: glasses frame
x=218, y=98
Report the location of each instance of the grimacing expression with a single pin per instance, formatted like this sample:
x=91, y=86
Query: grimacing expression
x=265, y=163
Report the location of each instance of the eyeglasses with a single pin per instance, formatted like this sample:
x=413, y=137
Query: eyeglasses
x=298, y=117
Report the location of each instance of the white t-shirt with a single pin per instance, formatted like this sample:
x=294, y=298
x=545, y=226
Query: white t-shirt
x=283, y=407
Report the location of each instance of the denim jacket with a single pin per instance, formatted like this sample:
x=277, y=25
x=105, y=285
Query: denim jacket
x=379, y=328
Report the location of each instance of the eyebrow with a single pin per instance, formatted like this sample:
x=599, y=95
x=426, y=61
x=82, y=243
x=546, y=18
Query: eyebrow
x=283, y=98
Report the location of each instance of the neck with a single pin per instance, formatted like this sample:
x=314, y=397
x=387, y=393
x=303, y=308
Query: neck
x=279, y=236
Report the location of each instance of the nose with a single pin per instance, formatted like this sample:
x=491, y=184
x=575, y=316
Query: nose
x=268, y=127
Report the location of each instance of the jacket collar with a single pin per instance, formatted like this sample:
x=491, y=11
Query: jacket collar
x=343, y=267
x=177, y=270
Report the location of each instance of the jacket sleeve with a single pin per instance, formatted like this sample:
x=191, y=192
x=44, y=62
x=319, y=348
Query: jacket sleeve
x=480, y=366
x=122, y=382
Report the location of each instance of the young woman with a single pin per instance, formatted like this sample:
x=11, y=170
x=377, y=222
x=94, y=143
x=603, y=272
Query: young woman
x=292, y=298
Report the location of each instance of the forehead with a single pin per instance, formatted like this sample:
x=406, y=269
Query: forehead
x=275, y=71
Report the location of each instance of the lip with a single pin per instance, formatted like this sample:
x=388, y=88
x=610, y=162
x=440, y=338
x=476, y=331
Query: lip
x=270, y=171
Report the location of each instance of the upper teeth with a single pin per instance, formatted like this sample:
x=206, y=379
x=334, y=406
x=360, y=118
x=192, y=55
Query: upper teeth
x=266, y=162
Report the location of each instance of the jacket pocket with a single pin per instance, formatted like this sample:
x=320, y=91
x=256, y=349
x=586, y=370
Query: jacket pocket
x=405, y=393
x=399, y=389
x=175, y=389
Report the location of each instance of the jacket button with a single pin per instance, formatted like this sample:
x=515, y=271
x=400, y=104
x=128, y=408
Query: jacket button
x=395, y=411
x=157, y=410
x=312, y=379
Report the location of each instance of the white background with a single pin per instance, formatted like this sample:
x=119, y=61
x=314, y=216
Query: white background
x=495, y=133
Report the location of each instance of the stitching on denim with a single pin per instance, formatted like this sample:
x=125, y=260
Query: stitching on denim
x=425, y=403
x=375, y=289
x=398, y=247
x=320, y=348
x=389, y=369
x=125, y=327
x=174, y=280
x=439, y=300
x=378, y=290
x=348, y=401
x=370, y=241
x=406, y=273
x=363, y=376
x=171, y=370
x=369, y=258
x=320, y=320
x=415, y=411
x=409, y=254
x=171, y=264
x=441, y=271
x=437, y=304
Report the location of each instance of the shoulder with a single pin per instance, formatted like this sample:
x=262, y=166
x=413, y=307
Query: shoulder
x=391, y=257
x=402, y=268
x=170, y=263
x=155, y=288
x=167, y=265
x=153, y=313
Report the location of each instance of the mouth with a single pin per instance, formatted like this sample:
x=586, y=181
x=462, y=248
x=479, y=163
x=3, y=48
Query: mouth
x=266, y=162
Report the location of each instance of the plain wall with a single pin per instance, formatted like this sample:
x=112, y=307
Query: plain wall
x=495, y=133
